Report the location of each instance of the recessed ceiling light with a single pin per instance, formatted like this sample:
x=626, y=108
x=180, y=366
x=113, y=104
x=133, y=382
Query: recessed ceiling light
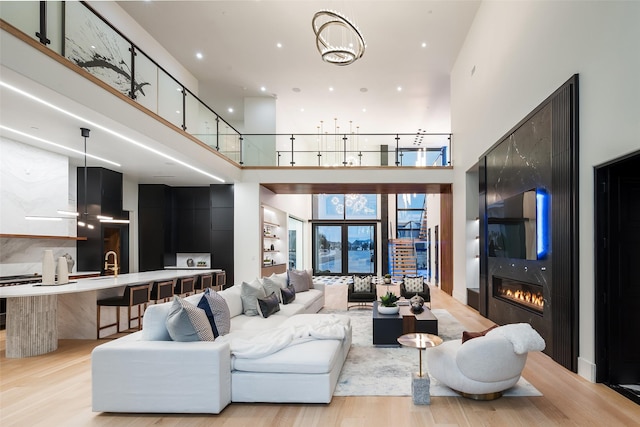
x=230, y=109
x=262, y=88
x=424, y=44
x=199, y=55
x=177, y=111
x=330, y=89
x=364, y=110
x=302, y=110
x=364, y=89
x=279, y=45
x=296, y=89
x=399, y=88
x=93, y=47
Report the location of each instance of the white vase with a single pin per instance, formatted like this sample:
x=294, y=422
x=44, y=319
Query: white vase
x=48, y=268
x=388, y=310
x=63, y=271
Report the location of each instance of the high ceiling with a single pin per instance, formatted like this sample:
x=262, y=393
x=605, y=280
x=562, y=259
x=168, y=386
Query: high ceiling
x=411, y=45
x=238, y=41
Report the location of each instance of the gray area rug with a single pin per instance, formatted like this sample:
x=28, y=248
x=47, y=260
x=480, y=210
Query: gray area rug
x=386, y=371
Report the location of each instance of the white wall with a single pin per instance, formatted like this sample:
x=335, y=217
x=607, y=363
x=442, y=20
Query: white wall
x=515, y=55
x=433, y=220
x=247, y=236
x=130, y=203
x=259, y=117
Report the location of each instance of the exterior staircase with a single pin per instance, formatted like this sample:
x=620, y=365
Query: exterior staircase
x=403, y=258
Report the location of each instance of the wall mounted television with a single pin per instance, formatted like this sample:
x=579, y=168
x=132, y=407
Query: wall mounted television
x=517, y=226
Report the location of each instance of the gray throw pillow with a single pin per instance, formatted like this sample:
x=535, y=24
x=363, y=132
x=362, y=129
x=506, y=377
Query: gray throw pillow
x=217, y=312
x=300, y=280
x=268, y=305
x=249, y=294
x=271, y=287
x=186, y=322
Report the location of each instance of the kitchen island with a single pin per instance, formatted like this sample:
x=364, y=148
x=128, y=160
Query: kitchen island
x=37, y=316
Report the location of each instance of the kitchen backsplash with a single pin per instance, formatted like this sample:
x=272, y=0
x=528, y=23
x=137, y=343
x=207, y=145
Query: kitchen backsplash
x=24, y=256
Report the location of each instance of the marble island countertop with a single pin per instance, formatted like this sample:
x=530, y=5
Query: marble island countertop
x=96, y=283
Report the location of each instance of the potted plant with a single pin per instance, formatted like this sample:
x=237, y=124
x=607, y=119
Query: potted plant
x=387, y=279
x=388, y=304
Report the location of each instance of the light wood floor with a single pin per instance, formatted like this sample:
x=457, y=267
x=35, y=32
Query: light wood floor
x=55, y=390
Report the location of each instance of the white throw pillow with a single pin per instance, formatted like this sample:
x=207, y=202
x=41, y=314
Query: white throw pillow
x=414, y=284
x=280, y=278
x=271, y=287
x=362, y=284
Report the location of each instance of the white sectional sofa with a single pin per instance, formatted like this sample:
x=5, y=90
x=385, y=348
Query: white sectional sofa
x=148, y=372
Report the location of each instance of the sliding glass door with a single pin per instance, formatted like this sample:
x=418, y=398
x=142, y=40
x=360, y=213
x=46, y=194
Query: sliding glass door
x=344, y=248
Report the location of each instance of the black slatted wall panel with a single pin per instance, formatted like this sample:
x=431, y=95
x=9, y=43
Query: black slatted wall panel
x=564, y=223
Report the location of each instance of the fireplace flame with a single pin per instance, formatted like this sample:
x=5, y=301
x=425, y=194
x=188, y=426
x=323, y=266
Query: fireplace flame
x=529, y=298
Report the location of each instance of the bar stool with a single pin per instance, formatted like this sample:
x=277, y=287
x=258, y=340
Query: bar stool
x=134, y=295
x=184, y=286
x=204, y=281
x=221, y=280
x=161, y=291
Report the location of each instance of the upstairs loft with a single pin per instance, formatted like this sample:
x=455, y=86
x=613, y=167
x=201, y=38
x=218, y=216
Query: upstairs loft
x=224, y=154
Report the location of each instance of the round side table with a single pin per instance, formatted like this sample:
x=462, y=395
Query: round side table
x=420, y=384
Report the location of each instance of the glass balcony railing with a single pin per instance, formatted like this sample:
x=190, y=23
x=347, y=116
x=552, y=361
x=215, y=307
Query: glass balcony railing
x=76, y=32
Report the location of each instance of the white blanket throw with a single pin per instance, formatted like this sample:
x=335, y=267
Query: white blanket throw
x=523, y=337
x=328, y=328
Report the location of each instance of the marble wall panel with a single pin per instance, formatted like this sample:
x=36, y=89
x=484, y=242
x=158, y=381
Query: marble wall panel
x=521, y=162
x=24, y=256
x=33, y=182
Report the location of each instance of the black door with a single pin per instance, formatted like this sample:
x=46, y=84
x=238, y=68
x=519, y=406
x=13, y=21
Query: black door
x=625, y=279
x=618, y=281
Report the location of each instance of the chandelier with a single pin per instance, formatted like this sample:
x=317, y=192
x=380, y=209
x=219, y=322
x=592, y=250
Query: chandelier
x=338, y=40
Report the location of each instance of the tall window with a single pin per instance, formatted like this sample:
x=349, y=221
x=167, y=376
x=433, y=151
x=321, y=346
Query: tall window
x=345, y=206
x=344, y=233
x=409, y=215
x=296, y=246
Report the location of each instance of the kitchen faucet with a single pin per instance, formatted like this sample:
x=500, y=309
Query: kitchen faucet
x=113, y=266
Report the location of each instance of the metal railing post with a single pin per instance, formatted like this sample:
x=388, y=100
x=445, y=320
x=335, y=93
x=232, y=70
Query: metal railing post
x=42, y=34
x=241, y=152
x=344, y=149
x=184, y=107
x=292, y=139
x=132, y=91
x=397, y=149
x=217, y=133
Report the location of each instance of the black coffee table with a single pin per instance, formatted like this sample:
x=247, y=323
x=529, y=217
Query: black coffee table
x=388, y=327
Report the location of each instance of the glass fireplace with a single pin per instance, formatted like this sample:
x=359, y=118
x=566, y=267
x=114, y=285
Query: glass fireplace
x=529, y=296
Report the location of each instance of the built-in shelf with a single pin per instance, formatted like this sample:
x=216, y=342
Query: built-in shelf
x=39, y=236
x=274, y=241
